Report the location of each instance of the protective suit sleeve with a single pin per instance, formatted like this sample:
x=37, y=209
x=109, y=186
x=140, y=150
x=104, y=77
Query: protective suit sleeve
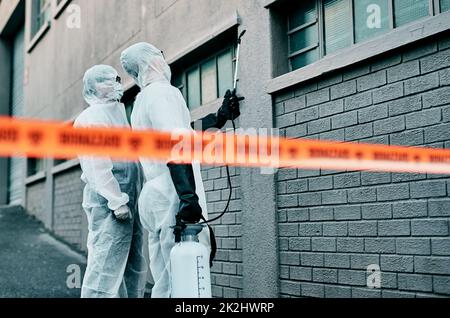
x=98, y=172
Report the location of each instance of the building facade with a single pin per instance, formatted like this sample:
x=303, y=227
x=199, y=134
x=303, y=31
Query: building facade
x=372, y=71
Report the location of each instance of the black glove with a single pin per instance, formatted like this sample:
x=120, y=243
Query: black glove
x=230, y=109
x=184, y=182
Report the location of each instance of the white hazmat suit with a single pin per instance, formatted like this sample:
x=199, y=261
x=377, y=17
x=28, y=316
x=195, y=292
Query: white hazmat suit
x=159, y=106
x=116, y=266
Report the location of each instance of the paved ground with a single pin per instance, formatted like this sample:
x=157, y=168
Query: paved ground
x=32, y=263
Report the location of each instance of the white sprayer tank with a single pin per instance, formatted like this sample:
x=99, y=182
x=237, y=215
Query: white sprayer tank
x=189, y=261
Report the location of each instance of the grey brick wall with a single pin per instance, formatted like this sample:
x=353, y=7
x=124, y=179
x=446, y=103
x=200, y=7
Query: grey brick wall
x=68, y=213
x=35, y=203
x=226, y=273
x=333, y=224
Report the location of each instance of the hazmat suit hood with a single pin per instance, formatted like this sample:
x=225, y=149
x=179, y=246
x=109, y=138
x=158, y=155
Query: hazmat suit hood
x=145, y=64
x=102, y=85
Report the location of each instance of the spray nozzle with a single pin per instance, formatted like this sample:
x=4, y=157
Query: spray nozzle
x=241, y=35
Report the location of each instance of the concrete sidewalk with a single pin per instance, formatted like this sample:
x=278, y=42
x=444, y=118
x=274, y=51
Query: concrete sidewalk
x=32, y=263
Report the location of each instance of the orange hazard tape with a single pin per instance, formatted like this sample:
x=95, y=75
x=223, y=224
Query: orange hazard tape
x=40, y=139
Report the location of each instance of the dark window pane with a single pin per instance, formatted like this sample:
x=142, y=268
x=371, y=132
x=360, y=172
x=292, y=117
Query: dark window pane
x=445, y=5
x=225, y=69
x=371, y=18
x=303, y=13
x=338, y=25
x=304, y=38
x=193, y=83
x=406, y=11
x=304, y=59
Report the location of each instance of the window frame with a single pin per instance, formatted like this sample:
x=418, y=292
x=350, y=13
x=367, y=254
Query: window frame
x=183, y=87
x=58, y=9
x=434, y=10
x=36, y=33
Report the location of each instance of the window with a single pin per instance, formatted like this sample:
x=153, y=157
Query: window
x=41, y=14
x=35, y=166
x=445, y=5
x=316, y=28
x=204, y=82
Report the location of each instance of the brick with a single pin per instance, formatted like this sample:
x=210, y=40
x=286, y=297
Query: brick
x=420, y=51
x=334, y=197
x=319, y=126
x=359, y=132
x=294, y=104
x=286, y=174
x=394, y=228
x=308, y=173
x=414, y=209
x=361, y=195
x=437, y=133
x=223, y=280
x=403, y=71
x=343, y=89
x=321, y=214
x=337, y=292
x=429, y=227
x=432, y=265
x=362, y=261
x=424, y=118
x=372, y=178
x=335, y=260
x=283, y=244
x=444, y=77
x=324, y=244
x=444, y=43
x=397, y=294
x=309, y=199
x=288, y=94
x=310, y=229
x=289, y=258
x=435, y=62
x=390, y=125
x=408, y=138
x=296, y=131
x=312, y=259
x=377, y=245
x=307, y=115
x=441, y=285
x=300, y=244
x=313, y=290
x=285, y=120
x=415, y=282
x=278, y=109
x=229, y=268
x=358, y=101
x=285, y=201
x=440, y=246
x=439, y=207
x=335, y=135
x=335, y=229
x=330, y=80
x=318, y=97
x=373, y=113
x=365, y=293
x=306, y=88
x=321, y=183
x=387, y=93
x=331, y=108
x=325, y=275
x=405, y=105
x=358, y=71
x=393, y=192
x=428, y=189
x=372, y=80
x=365, y=228
x=437, y=97
x=288, y=229
x=396, y=263
x=344, y=120
x=290, y=288
x=297, y=215
x=350, y=244
x=421, y=83
x=347, y=212
x=296, y=186
x=301, y=273
x=387, y=61
x=376, y=211
x=351, y=277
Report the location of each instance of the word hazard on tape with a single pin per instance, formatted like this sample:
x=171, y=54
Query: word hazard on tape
x=40, y=139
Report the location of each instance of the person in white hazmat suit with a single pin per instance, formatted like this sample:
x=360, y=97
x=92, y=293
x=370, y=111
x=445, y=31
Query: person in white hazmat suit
x=116, y=266
x=170, y=190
